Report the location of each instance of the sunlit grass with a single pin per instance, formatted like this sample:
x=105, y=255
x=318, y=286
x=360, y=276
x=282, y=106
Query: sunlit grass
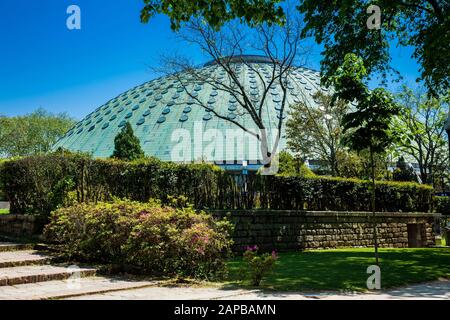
x=345, y=269
x=4, y=211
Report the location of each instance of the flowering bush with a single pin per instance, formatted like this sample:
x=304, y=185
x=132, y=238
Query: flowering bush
x=148, y=237
x=258, y=265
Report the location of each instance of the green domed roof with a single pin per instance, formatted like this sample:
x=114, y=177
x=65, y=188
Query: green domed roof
x=158, y=108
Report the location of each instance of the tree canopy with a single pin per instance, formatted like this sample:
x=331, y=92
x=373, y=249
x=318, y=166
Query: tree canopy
x=420, y=128
x=315, y=133
x=215, y=12
x=341, y=27
x=127, y=145
x=369, y=126
x=424, y=25
x=32, y=133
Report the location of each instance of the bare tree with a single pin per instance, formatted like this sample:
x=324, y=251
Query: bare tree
x=227, y=48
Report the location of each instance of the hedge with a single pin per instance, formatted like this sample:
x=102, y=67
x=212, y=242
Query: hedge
x=40, y=184
x=442, y=205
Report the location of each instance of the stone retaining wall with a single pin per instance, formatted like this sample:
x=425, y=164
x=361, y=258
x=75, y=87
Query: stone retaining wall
x=19, y=225
x=294, y=230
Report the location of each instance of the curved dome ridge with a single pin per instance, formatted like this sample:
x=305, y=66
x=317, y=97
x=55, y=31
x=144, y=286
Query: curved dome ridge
x=159, y=107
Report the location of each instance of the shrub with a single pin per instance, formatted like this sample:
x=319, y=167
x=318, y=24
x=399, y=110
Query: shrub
x=2, y=193
x=441, y=205
x=288, y=165
x=126, y=145
x=258, y=266
x=147, y=237
x=37, y=184
x=40, y=184
x=341, y=194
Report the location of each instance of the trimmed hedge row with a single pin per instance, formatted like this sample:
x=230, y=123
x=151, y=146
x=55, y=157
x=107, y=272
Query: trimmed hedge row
x=40, y=184
x=442, y=205
x=339, y=194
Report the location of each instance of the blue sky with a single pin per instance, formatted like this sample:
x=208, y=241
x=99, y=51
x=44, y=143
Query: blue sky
x=43, y=64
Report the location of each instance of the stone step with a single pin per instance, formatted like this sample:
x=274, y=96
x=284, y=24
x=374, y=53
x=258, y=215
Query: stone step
x=60, y=289
x=40, y=273
x=10, y=259
x=10, y=246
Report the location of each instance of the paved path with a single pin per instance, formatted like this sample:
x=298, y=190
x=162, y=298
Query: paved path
x=58, y=289
x=431, y=290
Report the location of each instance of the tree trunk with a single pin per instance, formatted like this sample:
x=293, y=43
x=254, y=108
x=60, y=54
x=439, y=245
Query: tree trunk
x=375, y=231
x=266, y=153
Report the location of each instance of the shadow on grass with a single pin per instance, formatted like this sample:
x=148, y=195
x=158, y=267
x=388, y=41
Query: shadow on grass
x=345, y=269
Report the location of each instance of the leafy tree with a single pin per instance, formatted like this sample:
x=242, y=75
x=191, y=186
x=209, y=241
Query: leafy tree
x=420, y=127
x=353, y=164
x=341, y=26
x=33, y=133
x=404, y=172
x=423, y=25
x=315, y=132
x=292, y=166
x=127, y=145
x=215, y=12
x=369, y=126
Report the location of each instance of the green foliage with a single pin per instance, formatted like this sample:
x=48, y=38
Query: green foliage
x=215, y=13
x=127, y=145
x=369, y=126
x=442, y=205
x=34, y=133
x=403, y=172
x=315, y=133
x=351, y=165
x=420, y=128
x=290, y=166
x=340, y=194
x=143, y=237
x=2, y=193
x=41, y=184
x=341, y=27
x=258, y=265
x=38, y=184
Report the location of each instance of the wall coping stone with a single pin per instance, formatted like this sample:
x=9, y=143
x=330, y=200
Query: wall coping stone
x=324, y=213
x=25, y=217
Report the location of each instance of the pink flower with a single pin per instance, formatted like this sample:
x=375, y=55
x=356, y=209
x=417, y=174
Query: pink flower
x=274, y=255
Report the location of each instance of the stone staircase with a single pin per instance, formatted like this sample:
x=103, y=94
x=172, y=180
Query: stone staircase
x=26, y=273
x=20, y=264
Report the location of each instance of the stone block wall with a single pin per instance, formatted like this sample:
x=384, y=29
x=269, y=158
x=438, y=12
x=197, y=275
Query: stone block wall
x=19, y=225
x=297, y=230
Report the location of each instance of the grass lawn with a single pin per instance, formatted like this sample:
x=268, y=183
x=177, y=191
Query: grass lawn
x=345, y=269
x=4, y=211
